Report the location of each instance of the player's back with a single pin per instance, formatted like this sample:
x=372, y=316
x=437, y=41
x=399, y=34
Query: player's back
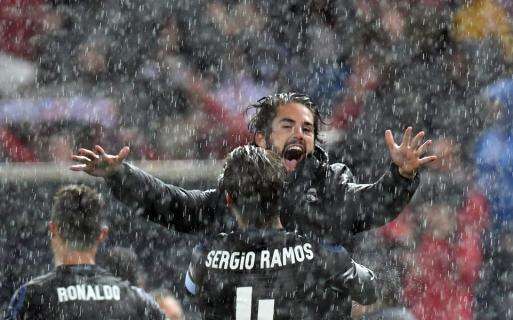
x=265, y=275
x=81, y=292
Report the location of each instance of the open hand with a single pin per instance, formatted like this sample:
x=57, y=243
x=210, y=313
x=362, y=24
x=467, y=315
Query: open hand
x=97, y=163
x=408, y=155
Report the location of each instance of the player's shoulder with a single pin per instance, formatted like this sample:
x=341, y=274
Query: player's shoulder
x=341, y=172
x=42, y=280
x=34, y=288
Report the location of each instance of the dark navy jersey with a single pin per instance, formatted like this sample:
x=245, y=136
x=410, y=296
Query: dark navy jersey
x=275, y=274
x=81, y=292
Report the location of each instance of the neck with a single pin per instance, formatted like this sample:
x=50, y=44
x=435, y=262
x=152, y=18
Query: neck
x=273, y=223
x=72, y=257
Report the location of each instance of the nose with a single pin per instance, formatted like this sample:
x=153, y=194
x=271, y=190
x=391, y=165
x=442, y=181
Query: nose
x=298, y=133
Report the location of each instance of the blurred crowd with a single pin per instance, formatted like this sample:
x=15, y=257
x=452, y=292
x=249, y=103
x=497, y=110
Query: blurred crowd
x=172, y=80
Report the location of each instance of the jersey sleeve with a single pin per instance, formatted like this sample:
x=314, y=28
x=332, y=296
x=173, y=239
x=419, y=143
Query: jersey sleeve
x=183, y=210
x=17, y=306
x=360, y=281
x=374, y=204
x=196, y=272
x=349, y=276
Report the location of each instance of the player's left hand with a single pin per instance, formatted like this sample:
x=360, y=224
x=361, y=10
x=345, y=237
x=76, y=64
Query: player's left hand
x=408, y=155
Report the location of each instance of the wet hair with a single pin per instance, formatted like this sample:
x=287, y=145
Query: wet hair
x=77, y=213
x=267, y=107
x=122, y=263
x=254, y=178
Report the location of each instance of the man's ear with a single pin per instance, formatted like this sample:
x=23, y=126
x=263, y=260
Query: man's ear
x=260, y=140
x=52, y=228
x=104, y=233
x=229, y=200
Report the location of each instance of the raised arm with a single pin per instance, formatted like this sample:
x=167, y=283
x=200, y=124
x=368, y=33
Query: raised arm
x=165, y=204
x=377, y=203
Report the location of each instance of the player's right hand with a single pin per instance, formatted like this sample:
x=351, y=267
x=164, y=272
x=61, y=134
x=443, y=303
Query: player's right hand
x=98, y=163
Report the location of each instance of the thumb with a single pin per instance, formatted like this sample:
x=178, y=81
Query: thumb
x=123, y=153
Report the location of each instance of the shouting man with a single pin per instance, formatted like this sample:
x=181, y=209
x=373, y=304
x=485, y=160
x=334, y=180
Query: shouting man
x=321, y=199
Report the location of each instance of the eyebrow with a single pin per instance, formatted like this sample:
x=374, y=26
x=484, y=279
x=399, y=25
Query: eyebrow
x=290, y=121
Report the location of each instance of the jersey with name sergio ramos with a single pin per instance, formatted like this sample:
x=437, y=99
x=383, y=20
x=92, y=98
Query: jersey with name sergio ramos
x=81, y=292
x=271, y=274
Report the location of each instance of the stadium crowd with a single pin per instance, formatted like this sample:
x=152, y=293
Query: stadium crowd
x=171, y=79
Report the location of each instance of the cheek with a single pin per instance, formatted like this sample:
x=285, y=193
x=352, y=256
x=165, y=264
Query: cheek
x=309, y=144
x=278, y=141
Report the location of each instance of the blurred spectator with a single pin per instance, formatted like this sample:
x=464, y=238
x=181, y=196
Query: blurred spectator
x=60, y=148
x=478, y=19
x=13, y=147
x=372, y=64
x=495, y=289
x=439, y=282
x=494, y=153
x=17, y=73
x=20, y=20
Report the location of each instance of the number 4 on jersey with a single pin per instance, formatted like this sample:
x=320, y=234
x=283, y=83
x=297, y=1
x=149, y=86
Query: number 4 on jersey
x=243, y=305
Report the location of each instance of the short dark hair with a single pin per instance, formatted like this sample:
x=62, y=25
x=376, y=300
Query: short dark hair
x=77, y=213
x=254, y=178
x=266, y=109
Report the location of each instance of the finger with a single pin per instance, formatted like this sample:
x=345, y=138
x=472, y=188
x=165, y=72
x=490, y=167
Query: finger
x=417, y=140
x=426, y=160
x=88, y=153
x=78, y=167
x=123, y=153
x=100, y=150
x=81, y=159
x=389, y=140
x=423, y=147
x=407, y=137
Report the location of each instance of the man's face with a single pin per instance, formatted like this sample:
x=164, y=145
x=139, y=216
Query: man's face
x=292, y=134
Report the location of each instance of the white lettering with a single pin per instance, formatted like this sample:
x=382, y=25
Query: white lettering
x=90, y=293
x=98, y=293
x=107, y=291
x=81, y=292
x=234, y=260
x=216, y=260
x=242, y=260
x=87, y=292
x=72, y=293
x=250, y=260
x=116, y=293
x=264, y=259
x=308, y=251
x=61, y=293
x=276, y=261
x=210, y=255
x=288, y=254
x=300, y=255
x=225, y=259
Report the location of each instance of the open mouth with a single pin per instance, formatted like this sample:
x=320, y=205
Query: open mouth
x=292, y=155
